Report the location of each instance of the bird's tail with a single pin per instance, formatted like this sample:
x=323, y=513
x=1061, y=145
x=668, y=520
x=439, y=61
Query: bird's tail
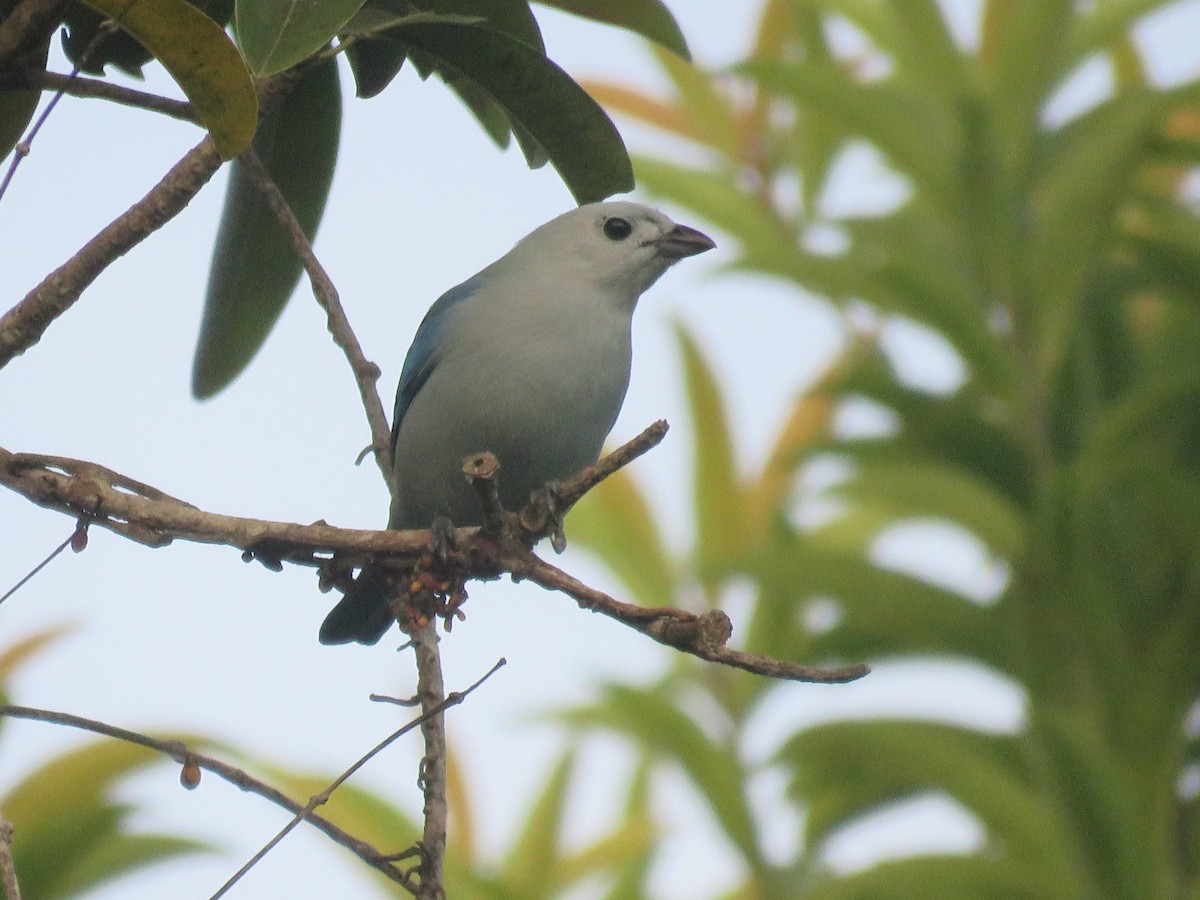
x=363, y=615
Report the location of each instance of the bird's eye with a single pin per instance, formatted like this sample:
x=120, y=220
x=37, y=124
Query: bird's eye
x=617, y=229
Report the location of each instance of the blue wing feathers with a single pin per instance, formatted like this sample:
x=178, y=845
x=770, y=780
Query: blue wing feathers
x=422, y=356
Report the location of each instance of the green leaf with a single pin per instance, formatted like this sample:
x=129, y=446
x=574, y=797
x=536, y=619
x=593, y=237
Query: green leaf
x=715, y=197
x=615, y=522
x=203, y=61
x=79, y=778
x=533, y=860
x=376, y=59
x=929, y=50
x=880, y=614
x=1106, y=23
x=16, y=654
x=576, y=134
x=1090, y=173
x=935, y=878
x=71, y=836
x=912, y=489
x=716, y=490
x=43, y=846
x=656, y=725
x=254, y=269
x=952, y=429
x=711, y=112
x=17, y=105
x=916, y=135
x=276, y=34
x=120, y=854
x=649, y=18
x=848, y=769
x=1024, y=43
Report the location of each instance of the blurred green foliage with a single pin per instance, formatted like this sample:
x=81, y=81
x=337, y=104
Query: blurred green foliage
x=69, y=835
x=1060, y=260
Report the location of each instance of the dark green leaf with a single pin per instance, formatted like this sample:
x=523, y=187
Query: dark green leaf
x=201, y=59
x=649, y=18
x=254, y=269
x=17, y=105
x=276, y=34
x=376, y=56
x=577, y=136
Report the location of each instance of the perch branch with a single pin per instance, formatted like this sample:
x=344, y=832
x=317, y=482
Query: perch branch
x=143, y=513
x=185, y=756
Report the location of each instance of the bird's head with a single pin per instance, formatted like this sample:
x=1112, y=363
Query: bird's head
x=617, y=246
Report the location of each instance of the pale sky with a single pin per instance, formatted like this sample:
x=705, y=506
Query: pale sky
x=191, y=638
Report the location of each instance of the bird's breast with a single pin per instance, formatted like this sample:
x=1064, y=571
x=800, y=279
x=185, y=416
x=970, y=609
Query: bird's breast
x=540, y=393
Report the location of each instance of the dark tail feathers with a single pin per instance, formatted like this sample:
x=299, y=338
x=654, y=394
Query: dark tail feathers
x=363, y=615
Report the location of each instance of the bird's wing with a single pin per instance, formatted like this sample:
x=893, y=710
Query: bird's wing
x=423, y=355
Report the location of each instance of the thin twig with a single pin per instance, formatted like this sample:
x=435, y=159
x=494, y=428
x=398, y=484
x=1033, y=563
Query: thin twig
x=702, y=635
x=8, y=870
x=23, y=147
x=45, y=562
x=430, y=714
x=100, y=89
x=366, y=373
x=185, y=755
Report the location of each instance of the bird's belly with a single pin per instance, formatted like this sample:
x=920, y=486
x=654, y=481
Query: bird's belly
x=540, y=429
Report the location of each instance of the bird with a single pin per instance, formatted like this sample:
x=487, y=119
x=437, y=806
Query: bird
x=529, y=359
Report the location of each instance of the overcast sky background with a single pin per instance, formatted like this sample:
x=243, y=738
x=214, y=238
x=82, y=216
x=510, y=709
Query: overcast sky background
x=191, y=638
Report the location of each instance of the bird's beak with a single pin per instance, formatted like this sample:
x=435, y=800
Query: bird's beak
x=683, y=241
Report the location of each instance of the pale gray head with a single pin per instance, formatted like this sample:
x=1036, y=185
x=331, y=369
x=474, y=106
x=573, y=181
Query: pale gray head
x=617, y=246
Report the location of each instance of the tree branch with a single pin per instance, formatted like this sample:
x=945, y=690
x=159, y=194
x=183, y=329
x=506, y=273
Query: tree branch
x=88, y=491
x=366, y=373
x=23, y=325
x=185, y=756
x=100, y=89
x=8, y=870
x=435, y=811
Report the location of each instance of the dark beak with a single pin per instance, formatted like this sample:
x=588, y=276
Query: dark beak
x=682, y=241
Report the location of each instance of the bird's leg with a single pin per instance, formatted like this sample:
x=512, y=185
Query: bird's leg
x=441, y=542
x=545, y=501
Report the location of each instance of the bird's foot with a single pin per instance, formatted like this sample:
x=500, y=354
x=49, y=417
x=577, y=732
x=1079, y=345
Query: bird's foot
x=549, y=510
x=441, y=538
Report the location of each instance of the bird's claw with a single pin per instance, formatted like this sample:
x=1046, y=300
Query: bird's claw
x=545, y=499
x=441, y=542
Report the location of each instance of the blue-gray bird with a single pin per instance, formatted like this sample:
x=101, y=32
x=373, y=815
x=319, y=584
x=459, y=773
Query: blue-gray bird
x=528, y=359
